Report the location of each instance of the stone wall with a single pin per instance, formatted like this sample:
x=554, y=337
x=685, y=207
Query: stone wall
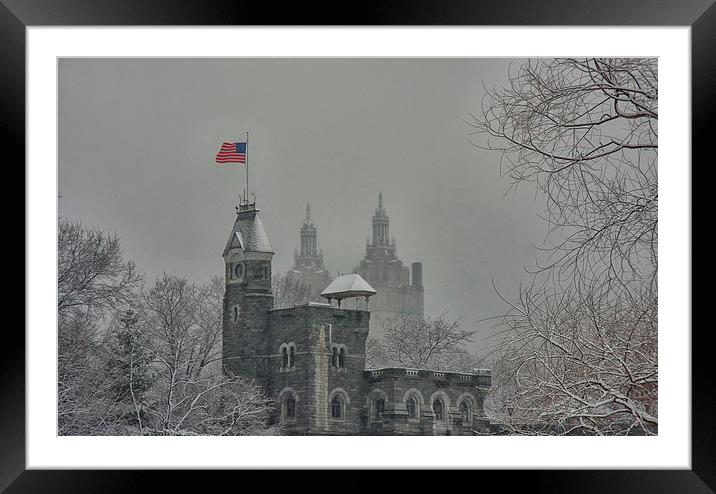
x=244, y=333
x=396, y=385
x=314, y=380
x=255, y=336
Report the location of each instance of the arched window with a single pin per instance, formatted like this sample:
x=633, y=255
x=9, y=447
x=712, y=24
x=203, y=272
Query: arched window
x=336, y=408
x=412, y=408
x=379, y=408
x=465, y=412
x=334, y=357
x=292, y=356
x=438, y=409
x=284, y=357
x=342, y=357
x=290, y=407
x=236, y=314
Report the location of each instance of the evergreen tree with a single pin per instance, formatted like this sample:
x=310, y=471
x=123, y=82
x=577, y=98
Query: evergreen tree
x=129, y=367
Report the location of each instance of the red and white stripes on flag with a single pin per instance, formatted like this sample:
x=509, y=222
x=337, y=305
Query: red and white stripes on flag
x=232, y=152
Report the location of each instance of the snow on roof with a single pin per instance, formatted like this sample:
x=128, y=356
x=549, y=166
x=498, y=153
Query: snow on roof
x=250, y=233
x=346, y=286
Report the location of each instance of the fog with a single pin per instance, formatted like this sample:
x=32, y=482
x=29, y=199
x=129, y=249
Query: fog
x=137, y=140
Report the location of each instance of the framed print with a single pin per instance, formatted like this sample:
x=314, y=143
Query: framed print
x=505, y=174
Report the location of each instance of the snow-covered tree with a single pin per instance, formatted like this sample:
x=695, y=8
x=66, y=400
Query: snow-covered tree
x=157, y=370
x=578, y=350
x=93, y=279
x=192, y=394
x=129, y=367
x=435, y=343
x=92, y=276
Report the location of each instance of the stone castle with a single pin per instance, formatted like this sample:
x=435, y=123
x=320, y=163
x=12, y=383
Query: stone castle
x=396, y=295
x=310, y=358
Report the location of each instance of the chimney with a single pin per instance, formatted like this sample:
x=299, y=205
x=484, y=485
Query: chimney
x=417, y=274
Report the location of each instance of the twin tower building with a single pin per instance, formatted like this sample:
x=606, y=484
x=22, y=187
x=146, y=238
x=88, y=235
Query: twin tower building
x=310, y=358
x=397, y=292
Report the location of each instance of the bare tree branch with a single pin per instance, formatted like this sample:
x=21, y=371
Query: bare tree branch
x=422, y=343
x=577, y=351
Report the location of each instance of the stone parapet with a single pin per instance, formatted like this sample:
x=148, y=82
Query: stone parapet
x=479, y=377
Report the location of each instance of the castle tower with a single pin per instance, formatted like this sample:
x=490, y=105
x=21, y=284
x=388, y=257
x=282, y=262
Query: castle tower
x=310, y=359
x=248, y=296
x=308, y=267
x=382, y=268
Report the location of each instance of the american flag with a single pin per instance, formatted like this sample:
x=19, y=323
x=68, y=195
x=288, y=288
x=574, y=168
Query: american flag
x=232, y=152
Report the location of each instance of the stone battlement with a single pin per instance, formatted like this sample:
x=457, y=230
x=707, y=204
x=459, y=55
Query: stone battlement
x=480, y=377
x=324, y=310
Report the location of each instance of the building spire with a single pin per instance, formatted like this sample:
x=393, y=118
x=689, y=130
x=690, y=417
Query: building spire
x=307, y=221
x=308, y=235
x=380, y=224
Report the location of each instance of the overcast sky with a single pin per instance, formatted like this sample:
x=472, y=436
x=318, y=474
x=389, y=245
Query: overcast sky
x=137, y=140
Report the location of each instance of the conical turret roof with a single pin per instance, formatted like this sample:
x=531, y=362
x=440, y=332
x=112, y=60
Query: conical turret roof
x=249, y=233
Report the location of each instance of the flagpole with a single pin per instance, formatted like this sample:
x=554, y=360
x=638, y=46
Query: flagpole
x=247, y=167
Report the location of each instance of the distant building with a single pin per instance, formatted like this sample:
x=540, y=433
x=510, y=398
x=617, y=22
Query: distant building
x=308, y=267
x=311, y=358
x=380, y=267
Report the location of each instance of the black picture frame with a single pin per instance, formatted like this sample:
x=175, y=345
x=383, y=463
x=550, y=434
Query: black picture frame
x=700, y=15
